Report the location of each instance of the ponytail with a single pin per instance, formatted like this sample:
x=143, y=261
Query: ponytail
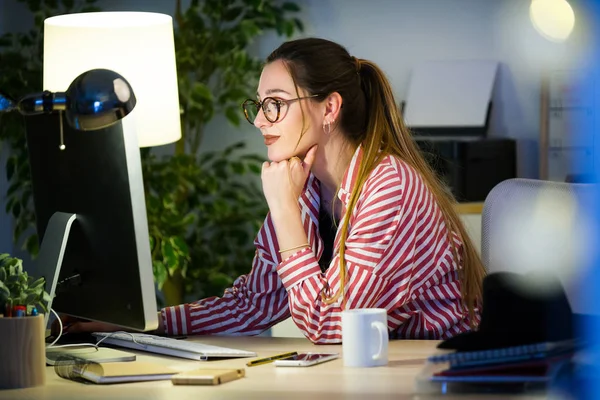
x=387, y=134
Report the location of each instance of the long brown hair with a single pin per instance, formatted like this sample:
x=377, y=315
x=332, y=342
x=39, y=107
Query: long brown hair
x=370, y=116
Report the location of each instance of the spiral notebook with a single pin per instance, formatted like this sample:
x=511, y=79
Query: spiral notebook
x=467, y=359
x=117, y=372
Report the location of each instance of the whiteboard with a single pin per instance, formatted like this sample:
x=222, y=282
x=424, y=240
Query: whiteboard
x=452, y=93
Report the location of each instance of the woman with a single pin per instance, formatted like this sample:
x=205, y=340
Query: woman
x=361, y=221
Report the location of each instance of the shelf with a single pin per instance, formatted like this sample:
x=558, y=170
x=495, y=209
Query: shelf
x=469, y=208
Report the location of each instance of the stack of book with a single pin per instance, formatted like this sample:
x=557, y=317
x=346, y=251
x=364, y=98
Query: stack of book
x=506, y=369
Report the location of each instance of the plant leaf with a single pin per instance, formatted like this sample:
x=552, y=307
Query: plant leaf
x=46, y=297
x=19, y=266
x=160, y=273
x=30, y=298
x=39, y=283
x=11, y=166
x=32, y=245
x=180, y=246
x=4, y=291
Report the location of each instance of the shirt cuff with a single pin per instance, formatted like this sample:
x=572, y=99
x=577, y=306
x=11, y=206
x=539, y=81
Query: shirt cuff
x=176, y=320
x=297, y=267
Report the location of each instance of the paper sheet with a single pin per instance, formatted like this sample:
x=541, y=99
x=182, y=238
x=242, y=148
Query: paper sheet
x=451, y=93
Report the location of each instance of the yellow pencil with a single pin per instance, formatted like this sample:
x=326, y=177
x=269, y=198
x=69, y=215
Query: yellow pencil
x=267, y=360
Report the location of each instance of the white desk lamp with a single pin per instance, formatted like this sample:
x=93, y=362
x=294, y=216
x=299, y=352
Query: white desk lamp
x=137, y=45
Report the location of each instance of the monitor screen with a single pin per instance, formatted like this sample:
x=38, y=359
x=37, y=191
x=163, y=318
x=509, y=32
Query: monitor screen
x=94, y=186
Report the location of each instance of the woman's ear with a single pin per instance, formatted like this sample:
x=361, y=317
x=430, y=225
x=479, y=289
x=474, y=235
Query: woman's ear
x=333, y=106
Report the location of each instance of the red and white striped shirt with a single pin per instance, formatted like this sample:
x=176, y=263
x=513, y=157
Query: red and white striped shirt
x=398, y=257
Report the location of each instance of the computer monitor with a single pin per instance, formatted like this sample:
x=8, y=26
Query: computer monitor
x=91, y=220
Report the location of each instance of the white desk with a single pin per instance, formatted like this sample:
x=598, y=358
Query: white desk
x=329, y=380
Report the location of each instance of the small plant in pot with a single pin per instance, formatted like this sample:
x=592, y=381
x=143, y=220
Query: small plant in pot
x=22, y=348
x=20, y=294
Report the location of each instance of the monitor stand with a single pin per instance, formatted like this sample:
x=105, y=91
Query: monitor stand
x=52, y=251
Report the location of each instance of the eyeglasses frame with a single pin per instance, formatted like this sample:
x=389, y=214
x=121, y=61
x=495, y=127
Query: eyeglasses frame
x=277, y=101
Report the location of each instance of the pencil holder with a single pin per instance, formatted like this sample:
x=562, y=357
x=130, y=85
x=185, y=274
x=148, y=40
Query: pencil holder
x=22, y=352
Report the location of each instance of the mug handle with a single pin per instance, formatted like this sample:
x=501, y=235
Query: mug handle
x=383, y=335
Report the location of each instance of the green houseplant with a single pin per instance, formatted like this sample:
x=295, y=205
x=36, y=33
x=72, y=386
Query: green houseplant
x=195, y=200
x=17, y=288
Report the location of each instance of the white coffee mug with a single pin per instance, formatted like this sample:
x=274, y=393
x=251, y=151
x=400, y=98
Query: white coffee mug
x=365, y=337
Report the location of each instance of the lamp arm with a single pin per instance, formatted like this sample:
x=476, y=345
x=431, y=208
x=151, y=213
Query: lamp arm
x=44, y=102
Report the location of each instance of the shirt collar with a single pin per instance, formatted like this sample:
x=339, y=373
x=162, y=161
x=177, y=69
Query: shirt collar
x=350, y=177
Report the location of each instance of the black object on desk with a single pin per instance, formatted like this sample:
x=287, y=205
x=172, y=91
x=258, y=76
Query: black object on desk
x=471, y=167
x=518, y=309
x=524, y=341
x=465, y=158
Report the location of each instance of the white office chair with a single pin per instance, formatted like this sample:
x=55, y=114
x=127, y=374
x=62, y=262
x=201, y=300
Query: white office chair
x=541, y=225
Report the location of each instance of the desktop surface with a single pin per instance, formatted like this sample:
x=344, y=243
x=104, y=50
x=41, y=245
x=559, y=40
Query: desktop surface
x=329, y=380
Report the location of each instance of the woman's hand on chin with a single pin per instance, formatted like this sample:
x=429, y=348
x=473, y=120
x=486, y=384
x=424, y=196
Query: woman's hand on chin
x=284, y=180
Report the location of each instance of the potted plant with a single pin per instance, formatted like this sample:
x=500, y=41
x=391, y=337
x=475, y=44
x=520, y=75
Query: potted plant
x=22, y=348
x=20, y=294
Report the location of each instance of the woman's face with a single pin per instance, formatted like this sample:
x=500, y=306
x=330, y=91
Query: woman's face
x=288, y=136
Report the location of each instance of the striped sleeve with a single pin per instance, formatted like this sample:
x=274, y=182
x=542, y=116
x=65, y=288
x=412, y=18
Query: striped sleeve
x=375, y=224
x=254, y=303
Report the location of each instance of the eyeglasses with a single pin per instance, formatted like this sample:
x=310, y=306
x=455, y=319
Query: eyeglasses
x=271, y=107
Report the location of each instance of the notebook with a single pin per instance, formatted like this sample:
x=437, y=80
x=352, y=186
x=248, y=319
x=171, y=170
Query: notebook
x=526, y=368
x=206, y=376
x=119, y=372
x=468, y=359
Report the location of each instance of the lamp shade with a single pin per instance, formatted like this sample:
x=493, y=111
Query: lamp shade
x=137, y=45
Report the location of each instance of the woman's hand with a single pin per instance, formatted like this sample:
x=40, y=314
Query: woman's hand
x=283, y=181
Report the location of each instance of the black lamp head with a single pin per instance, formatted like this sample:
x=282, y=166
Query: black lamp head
x=98, y=98
x=95, y=99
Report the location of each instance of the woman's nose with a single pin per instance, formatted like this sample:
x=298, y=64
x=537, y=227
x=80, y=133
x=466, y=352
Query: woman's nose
x=261, y=121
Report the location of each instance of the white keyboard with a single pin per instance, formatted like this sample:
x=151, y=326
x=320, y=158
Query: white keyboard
x=169, y=346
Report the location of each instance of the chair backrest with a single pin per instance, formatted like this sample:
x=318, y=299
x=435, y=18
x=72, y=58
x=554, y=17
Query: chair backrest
x=540, y=225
